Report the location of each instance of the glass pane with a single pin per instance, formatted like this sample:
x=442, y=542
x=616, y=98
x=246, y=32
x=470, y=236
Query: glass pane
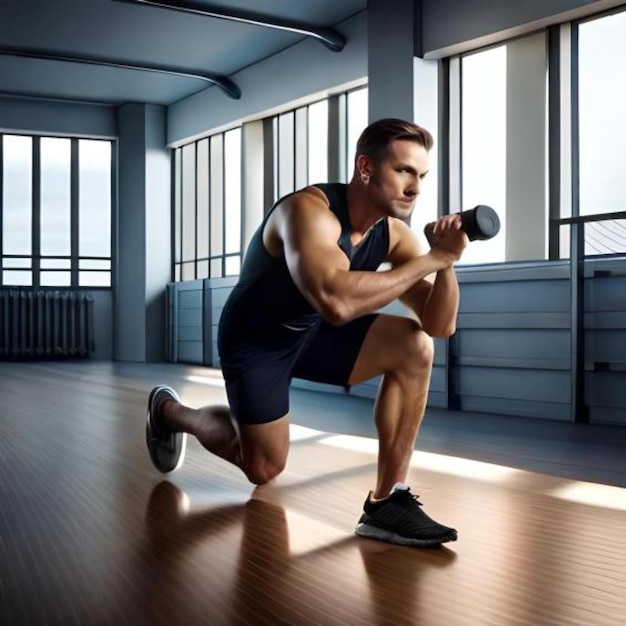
x=177, y=273
x=56, y=189
x=94, y=279
x=17, y=195
x=203, y=269
x=217, y=194
x=275, y=158
x=55, y=264
x=189, y=271
x=202, y=177
x=232, y=189
x=177, y=203
x=17, y=263
x=318, y=142
x=564, y=243
x=91, y=264
x=216, y=268
x=55, y=279
x=286, y=153
x=24, y=279
x=484, y=144
x=233, y=265
x=606, y=237
x=357, y=111
x=94, y=198
x=602, y=93
x=189, y=202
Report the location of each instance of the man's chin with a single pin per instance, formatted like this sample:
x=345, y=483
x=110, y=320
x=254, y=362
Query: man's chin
x=403, y=211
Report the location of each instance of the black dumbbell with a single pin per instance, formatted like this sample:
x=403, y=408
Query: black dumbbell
x=481, y=222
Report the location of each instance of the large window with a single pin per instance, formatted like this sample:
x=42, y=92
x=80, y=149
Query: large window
x=56, y=211
x=207, y=207
x=602, y=130
x=210, y=213
x=503, y=146
x=542, y=138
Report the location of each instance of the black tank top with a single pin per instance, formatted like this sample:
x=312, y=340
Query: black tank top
x=266, y=294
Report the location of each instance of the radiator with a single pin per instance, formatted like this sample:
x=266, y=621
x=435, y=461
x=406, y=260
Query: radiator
x=45, y=324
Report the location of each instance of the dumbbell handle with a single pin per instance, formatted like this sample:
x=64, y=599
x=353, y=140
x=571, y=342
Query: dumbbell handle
x=481, y=222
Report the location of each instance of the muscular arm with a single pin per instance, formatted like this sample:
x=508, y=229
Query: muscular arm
x=309, y=233
x=434, y=300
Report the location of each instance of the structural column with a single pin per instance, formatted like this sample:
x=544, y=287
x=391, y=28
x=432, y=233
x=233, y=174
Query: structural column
x=144, y=233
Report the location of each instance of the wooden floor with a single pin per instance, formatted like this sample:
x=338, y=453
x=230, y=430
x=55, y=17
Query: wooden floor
x=91, y=534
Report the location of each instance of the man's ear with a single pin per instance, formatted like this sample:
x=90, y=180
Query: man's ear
x=364, y=167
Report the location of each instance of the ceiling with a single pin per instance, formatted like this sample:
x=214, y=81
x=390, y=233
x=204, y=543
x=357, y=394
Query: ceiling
x=82, y=50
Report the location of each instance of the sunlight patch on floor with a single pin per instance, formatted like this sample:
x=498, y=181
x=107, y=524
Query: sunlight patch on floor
x=212, y=381
x=441, y=463
x=592, y=494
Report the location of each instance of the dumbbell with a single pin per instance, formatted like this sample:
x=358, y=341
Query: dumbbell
x=481, y=222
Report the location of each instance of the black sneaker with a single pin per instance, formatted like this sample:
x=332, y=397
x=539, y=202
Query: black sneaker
x=399, y=519
x=166, y=447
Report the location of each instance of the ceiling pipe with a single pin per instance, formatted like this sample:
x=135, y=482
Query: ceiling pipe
x=224, y=83
x=331, y=38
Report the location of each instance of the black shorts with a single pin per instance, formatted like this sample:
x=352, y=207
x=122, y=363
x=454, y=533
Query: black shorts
x=258, y=384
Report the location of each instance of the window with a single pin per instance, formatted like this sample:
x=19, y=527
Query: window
x=483, y=142
x=94, y=213
x=602, y=124
x=317, y=129
x=602, y=130
x=300, y=148
x=498, y=142
x=56, y=211
x=510, y=97
x=207, y=207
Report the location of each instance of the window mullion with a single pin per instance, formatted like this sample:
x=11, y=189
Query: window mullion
x=36, y=212
x=74, y=213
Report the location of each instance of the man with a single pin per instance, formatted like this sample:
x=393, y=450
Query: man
x=305, y=306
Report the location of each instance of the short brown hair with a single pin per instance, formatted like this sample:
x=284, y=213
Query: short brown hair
x=375, y=139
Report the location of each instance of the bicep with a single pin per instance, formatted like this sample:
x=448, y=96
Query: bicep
x=309, y=233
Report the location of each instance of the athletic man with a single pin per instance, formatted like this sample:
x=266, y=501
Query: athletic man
x=305, y=306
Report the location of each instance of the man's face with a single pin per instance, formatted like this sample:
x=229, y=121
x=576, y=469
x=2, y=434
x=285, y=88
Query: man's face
x=395, y=182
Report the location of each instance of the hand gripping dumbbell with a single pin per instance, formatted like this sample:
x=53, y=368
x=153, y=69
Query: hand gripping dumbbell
x=481, y=222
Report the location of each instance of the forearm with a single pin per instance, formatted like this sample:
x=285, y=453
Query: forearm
x=348, y=295
x=440, y=310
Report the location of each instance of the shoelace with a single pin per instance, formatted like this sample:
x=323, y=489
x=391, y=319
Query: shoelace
x=407, y=496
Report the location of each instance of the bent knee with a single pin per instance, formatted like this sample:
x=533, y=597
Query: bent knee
x=263, y=473
x=417, y=347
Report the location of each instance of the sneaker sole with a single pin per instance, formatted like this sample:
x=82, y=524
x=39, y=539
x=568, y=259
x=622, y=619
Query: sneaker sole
x=152, y=439
x=374, y=532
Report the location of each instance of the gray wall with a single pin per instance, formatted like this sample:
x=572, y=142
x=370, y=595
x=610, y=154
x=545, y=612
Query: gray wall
x=57, y=118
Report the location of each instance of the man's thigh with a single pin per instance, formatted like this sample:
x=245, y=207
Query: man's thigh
x=331, y=355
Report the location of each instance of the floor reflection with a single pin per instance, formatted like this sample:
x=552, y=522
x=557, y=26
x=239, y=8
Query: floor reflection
x=340, y=579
